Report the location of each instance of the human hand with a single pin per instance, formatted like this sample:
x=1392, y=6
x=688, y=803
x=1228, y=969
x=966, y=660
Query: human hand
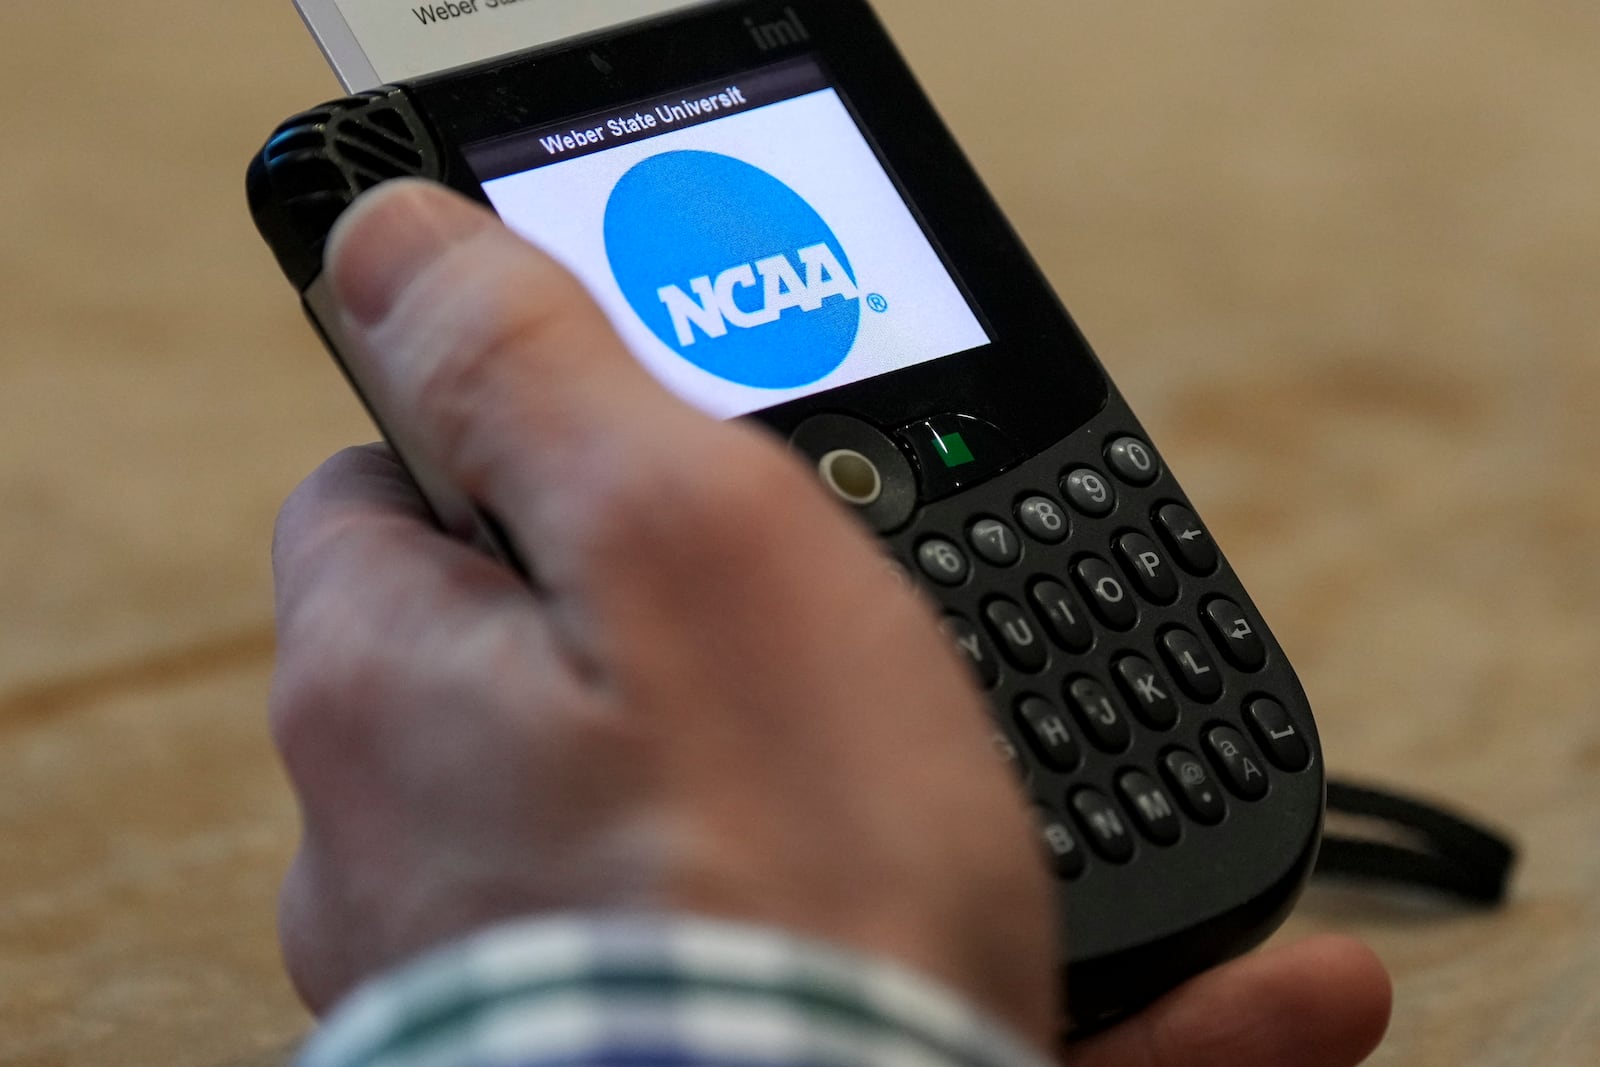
x=716, y=698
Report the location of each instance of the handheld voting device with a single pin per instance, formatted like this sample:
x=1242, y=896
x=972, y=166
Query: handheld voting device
x=781, y=228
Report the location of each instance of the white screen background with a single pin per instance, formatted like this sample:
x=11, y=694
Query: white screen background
x=811, y=144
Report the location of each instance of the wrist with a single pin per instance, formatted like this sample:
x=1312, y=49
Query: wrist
x=588, y=988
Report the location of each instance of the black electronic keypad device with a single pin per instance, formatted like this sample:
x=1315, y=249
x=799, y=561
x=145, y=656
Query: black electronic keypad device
x=781, y=228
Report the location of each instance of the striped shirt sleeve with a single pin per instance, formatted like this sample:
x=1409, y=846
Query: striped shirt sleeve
x=655, y=991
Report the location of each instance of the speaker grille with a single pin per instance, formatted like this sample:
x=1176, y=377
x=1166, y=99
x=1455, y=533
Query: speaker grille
x=315, y=164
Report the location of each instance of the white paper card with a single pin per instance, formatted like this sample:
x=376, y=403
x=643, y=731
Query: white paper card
x=371, y=42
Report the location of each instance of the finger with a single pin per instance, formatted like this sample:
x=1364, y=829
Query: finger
x=317, y=971
x=355, y=544
x=358, y=517
x=494, y=360
x=365, y=481
x=1320, y=1003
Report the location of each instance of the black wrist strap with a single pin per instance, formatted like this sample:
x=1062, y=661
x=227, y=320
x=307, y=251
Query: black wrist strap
x=1421, y=845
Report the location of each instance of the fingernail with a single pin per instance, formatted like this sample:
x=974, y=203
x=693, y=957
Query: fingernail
x=390, y=236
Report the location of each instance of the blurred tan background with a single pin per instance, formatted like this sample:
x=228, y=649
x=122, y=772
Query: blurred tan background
x=1343, y=257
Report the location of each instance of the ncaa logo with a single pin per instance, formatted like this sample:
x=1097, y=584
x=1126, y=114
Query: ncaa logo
x=732, y=270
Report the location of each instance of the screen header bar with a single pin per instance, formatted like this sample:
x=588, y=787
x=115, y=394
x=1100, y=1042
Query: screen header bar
x=602, y=130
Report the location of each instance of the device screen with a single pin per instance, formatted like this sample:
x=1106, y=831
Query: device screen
x=743, y=237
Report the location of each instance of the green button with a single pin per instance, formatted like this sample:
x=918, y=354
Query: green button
x=954, y=451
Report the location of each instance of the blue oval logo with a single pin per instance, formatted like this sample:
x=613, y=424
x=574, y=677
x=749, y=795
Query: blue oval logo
x=732, y=269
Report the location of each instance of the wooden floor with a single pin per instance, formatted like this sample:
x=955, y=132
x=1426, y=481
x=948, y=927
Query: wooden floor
x=1343, y=257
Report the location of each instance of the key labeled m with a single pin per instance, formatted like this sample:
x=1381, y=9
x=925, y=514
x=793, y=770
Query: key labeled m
x=1153, y=806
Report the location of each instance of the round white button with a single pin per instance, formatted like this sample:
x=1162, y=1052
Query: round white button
x=853, y=477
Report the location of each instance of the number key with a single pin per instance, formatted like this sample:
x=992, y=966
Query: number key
x=942, y=561
x=995, y=542
x=1043, y=519
x=1089, y=492
x=1133, y=460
